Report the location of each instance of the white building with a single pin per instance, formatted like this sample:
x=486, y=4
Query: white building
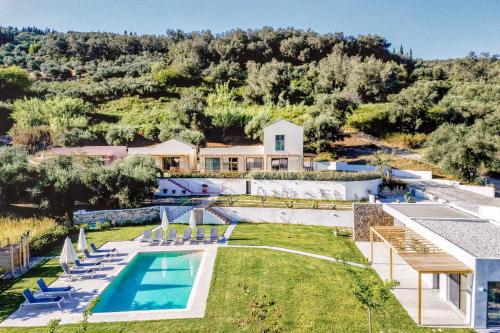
x=453, y=252
x=283, y=150
x=172, y=155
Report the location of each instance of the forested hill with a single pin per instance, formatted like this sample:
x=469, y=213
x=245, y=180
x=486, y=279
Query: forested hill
x=86, y=88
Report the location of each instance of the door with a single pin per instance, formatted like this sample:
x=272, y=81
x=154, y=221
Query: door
x=435, y=281
x=458, y=291
x=249, y=187
x=493, y=318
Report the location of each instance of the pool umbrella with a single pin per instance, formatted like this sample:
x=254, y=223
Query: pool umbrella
x=68, y=254
x=82, y=241
x=192, y=221
x=164, y=221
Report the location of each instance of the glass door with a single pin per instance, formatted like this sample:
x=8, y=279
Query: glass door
x=493, y=304
x=458, y=291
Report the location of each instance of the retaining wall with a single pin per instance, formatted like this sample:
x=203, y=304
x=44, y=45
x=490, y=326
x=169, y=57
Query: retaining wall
x=118, y=216
x=367, y=215
x=301, y=189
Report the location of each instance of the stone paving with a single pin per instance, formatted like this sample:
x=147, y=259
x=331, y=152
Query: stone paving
x=87, y=289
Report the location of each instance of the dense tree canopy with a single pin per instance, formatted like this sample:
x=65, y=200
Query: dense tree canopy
x=96, y=87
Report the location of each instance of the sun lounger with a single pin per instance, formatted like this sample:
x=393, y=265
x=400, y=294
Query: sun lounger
x=95, y=257
x=172, y=236
x=187, y=235
x=200, y=234
x=32, y=300
x=158, y=236
x=214, y=234
x=68, y=290
x=73, y=273
x=93, y=264
x=102, y=251
x=147, y=237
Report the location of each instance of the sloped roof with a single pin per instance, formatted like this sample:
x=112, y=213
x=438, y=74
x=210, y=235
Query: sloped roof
x=116, y=151
x=169, y=147
x=282, y=121
x=233, y=150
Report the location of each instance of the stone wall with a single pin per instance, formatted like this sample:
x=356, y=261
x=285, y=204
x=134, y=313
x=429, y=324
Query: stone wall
x=367, y=215
x=118, y=216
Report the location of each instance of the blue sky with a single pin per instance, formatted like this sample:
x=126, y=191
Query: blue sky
x=432, y=28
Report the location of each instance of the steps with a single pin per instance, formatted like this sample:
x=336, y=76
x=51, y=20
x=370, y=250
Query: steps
x=178, y=184
x=218, y=214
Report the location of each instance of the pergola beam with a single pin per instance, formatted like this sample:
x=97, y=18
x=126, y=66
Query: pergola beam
x=419, y=253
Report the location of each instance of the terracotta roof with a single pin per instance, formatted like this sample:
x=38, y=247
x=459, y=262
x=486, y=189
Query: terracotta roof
x=116, y=151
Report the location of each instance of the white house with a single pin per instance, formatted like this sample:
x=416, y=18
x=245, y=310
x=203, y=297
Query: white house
x=447, y=259
x=171, y=155
x=283, y=150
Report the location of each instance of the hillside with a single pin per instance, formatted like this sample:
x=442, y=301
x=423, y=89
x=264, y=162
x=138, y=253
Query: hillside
x=87, y=88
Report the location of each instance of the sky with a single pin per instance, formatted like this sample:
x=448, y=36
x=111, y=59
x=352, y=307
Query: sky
x=433, y=29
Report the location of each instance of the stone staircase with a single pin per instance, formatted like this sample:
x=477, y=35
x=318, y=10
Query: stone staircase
x=220, y=215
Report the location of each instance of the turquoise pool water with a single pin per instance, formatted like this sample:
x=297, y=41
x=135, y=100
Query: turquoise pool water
x=152, y=281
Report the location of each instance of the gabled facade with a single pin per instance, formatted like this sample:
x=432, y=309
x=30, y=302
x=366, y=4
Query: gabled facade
x=282, y=151
x=172, y=155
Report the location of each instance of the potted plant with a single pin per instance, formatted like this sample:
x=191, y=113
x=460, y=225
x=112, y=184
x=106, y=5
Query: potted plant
x=204, y=188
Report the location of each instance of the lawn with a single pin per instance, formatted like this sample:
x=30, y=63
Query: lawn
x=315, y=239
x=303, y=295
x=276, y=202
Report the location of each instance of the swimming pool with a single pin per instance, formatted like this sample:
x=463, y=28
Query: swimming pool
x=152, y=281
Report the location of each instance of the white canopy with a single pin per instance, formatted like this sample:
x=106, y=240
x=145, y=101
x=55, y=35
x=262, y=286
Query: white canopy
x=192, y=220
x=82, y=241
x=164, y=220
x=68, y=254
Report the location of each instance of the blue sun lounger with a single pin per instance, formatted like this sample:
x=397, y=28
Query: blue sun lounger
x=72, y=273
x=83, y=265
x=97, y=251
x=32, y=300
x=68, y=290
x=95, y=257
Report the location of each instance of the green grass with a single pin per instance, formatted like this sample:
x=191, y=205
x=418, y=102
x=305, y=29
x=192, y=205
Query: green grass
x=303, y=295
x=275, y=202
x=10, y=290
x=315, y=239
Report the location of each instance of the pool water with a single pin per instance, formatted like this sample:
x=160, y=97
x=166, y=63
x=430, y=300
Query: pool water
x=152, y=281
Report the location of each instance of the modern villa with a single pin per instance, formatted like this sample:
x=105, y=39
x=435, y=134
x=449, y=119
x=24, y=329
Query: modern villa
x=446, y=258
x=282, y=150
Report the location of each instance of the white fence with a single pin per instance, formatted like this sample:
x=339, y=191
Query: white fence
x=344, y=166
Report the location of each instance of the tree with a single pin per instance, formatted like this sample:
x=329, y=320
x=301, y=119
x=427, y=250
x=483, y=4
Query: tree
x=14, y=82
x=320, y=131
x=255, y=127
x=59, y=186
x=16, y=175
x=369, y=291
x=120, y=135
x=462, y=150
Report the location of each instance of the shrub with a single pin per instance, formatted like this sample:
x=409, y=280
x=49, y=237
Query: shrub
x=120, y=135
x=370, y=118
x=406, y=140
x=266, y=175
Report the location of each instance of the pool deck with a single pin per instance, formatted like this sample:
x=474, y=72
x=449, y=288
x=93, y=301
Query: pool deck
x=87, y=289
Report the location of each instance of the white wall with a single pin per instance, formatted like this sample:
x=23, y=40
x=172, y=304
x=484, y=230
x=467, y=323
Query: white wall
x=294, y=137
x=215, y=186
x=321, y=217
x=412, y=174
x=490, y=212
x=344, y=166
x=300, y=189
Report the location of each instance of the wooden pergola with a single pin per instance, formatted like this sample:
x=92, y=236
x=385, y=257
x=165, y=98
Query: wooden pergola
x=421, y=254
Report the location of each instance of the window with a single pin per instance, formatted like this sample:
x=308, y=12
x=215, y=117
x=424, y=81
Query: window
x=212, y=164
x=279, y=164
x=254, y=163
x=171, y=163
x=230, y=164
x=280, y=142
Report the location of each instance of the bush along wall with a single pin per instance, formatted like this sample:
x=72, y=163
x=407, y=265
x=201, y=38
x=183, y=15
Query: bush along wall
x=265, y=175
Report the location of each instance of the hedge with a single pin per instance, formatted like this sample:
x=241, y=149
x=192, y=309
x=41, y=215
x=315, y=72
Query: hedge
x=267, y=175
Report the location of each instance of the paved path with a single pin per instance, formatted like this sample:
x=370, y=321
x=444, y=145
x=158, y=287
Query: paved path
x=308, y=254
x=452, y=194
